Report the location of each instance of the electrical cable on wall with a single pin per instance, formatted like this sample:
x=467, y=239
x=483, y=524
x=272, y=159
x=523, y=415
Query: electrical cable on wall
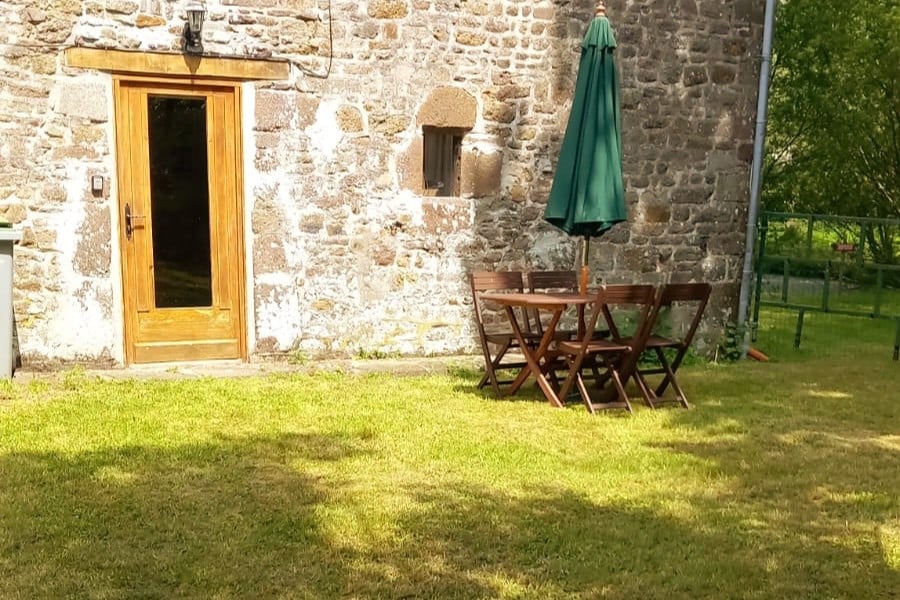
x=303, y=68
x=36, y=46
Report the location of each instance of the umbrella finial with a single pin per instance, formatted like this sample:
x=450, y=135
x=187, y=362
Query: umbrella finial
x=601, y=9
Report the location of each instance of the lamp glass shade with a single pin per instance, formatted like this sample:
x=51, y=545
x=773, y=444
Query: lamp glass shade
x=195, y=14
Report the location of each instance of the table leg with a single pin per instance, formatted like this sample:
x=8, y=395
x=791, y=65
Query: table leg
x=581, y=325
x=534, y=358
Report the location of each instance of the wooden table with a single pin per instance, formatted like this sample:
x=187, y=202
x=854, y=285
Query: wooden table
x=556, y=304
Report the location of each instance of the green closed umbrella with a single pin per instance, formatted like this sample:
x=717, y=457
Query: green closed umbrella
x=588, y=196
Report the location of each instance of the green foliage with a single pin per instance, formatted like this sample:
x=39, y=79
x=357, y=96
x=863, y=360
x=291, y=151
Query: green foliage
x=298, y=357
x=73, y=378
x=811, y=253
x=691, y=358
x=786, y=238
x=375, y=354
x=833, y=143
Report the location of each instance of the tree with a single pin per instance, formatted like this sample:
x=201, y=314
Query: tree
x=834, y=128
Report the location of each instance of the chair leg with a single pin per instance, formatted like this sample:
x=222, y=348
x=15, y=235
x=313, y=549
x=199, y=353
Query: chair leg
x=600, y=379
x=488, y=370
x=629, y=368
x=573, y=377
x=583, y=392
x=674, y=367
x=549, y=366
x=607, y=399
x=669, y=379
x=484, y=379
x=644, y=387
x=490, y=366
x=553, y=378
x=661, y=388
x=680, y=393
x=595, y=371
x=623, y=396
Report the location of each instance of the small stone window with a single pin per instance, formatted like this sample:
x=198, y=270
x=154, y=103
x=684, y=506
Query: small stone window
x=441, y=157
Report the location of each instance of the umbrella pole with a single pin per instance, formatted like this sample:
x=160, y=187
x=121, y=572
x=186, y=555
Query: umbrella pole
x=583, y=280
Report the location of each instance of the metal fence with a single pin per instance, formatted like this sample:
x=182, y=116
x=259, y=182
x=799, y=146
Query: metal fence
x=827, y=285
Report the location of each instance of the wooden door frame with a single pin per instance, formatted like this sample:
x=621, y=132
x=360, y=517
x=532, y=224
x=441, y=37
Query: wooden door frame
x=234, y=86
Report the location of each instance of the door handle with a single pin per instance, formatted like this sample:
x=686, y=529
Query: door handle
x=129, y=221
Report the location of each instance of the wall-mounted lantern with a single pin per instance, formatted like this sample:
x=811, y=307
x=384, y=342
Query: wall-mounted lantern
x=195, y=13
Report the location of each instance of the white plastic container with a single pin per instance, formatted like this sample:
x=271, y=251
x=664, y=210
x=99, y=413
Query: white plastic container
x=8, y=238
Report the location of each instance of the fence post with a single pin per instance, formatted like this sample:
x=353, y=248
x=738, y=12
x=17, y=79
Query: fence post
x=799, y=332
x=897, y=342
x=809, y=235
x=754, y=323
x=785, y=282
x=861, y=251
x=879, y=282
x=839, y=266
x=761, y=257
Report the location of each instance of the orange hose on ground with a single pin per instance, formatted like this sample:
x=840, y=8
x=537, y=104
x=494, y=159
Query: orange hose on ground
x=757, y=355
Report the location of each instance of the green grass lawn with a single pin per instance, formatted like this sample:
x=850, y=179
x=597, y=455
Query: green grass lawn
x=783, y=481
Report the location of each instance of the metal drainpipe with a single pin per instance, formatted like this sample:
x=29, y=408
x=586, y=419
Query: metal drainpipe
x=759, y=144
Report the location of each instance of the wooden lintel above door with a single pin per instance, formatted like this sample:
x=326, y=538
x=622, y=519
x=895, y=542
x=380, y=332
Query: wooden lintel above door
x=177, y=65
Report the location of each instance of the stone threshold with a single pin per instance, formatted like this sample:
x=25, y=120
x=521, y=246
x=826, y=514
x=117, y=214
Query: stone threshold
x=407, y=366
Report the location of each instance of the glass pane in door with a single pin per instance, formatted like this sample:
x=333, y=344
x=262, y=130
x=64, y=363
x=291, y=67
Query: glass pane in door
x=179, y=197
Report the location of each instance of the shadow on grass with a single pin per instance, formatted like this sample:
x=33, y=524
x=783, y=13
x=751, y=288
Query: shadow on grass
x=551, y=543
x=249, y=518
x=229, y=521
x=220, y=520
x=530, y=392
x=804, y=490
x=811, y=462
x=469, y=378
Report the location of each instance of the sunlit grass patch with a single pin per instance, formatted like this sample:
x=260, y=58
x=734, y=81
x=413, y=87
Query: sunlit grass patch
x=780, y=482
x=889, y=536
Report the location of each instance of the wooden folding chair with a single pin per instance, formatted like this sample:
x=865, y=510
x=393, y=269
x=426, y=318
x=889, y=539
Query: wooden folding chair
x=692, y=298
x=618, y=356
x=552, y=281
x=560, y=281
x=500, y=340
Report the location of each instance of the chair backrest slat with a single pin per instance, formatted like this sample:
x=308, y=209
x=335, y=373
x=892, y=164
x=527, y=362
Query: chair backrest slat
x=693, y=293
x=640, y=296
x=495, y=281
x=628, y=294
x=684, y=292
x=552, y=280
x=549, y=281
x=485, y=281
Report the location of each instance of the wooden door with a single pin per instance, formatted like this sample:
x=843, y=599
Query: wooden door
x=180, y=215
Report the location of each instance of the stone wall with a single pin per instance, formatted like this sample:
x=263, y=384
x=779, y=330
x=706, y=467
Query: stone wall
x=347, y=254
